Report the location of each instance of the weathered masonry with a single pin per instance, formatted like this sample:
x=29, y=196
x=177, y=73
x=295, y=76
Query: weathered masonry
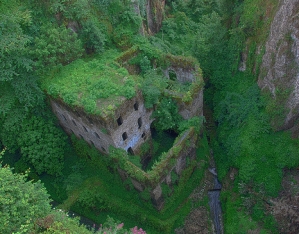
x=170, y=166
x=128, y=128
x=100, y=101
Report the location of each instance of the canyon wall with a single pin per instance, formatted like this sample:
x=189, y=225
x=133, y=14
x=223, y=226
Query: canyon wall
x=279, y=71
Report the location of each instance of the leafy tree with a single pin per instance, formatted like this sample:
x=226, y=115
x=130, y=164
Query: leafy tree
x=152, y=87
x=42, y=145
x=56, y=46
x=19, y=91
x=167, y=116
x=92, y=36
x=13, y=41
x=21, y=202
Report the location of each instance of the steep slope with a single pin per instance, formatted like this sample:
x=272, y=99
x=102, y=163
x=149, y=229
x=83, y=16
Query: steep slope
x=279, y=70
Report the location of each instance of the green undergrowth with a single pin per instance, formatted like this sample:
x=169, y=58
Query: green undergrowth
x=158, y=148
x=98, y=85
x=245, y=211
x=91, y=187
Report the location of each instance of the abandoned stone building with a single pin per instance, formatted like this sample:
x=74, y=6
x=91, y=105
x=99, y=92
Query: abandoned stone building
x=128, y=124
x=128, y=128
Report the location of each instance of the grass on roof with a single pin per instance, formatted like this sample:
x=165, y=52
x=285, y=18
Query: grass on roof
x=99, y=85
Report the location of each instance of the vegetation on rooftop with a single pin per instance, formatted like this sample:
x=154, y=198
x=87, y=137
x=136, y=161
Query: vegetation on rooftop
x=98, y=85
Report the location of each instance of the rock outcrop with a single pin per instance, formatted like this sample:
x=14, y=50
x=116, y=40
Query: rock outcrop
x=280, y=66
x=152, y=11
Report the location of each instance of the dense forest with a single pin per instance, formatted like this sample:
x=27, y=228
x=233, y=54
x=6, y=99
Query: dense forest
x=47, y=46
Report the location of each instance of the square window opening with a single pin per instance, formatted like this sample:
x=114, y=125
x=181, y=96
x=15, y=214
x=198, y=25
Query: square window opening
x=139, y=122
x=119, y=121
x=130, y=151
x=124, y=136
x=136, y=106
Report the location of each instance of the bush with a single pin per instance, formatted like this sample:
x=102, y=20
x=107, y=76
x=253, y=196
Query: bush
x=56, y=46
x=42, y=145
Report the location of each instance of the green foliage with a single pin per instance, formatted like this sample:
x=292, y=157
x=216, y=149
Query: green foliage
x=42, y=145
x=152, y=87
x=135, y=160
x=145, y=194
x=58, y=222
x=56, y=46
x=166, y=114
x=166, y=190
x=71, y=9
x=18, y=85
x=195, y=122
x=21, y=202
x=13, y=41
x=208, y=43
x=92, y=36
x=236, y=220
x=88, y=83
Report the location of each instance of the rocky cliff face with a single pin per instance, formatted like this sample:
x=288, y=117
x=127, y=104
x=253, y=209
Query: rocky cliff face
x=153, y=10
x=280, y=66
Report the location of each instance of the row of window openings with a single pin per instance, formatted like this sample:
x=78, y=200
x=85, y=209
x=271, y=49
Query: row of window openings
x=103, y=149
x=120, y=121
x=125, y=136
x=96, y=134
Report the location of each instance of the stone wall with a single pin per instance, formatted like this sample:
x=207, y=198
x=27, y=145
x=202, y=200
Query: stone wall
x=183, y=150
x=193, y=108
x=186, y=74
x=182, y=75
x=128, y=129
x=72, y=122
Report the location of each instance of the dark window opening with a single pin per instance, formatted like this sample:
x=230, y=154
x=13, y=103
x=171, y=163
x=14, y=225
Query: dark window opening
x=139, y=122
x=125, y=136
x=74, y=122
x=130, y=151
x=97, y=135
x=85, y=129
x=119, y=121
x=103, y=149
x=143, y=135
x=172, y=75
x=136, y=106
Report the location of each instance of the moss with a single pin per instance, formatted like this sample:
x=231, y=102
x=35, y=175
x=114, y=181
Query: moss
x=99, y=86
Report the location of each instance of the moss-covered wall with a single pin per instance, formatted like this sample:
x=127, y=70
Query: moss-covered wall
x=186, y=70
x=174, y=161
